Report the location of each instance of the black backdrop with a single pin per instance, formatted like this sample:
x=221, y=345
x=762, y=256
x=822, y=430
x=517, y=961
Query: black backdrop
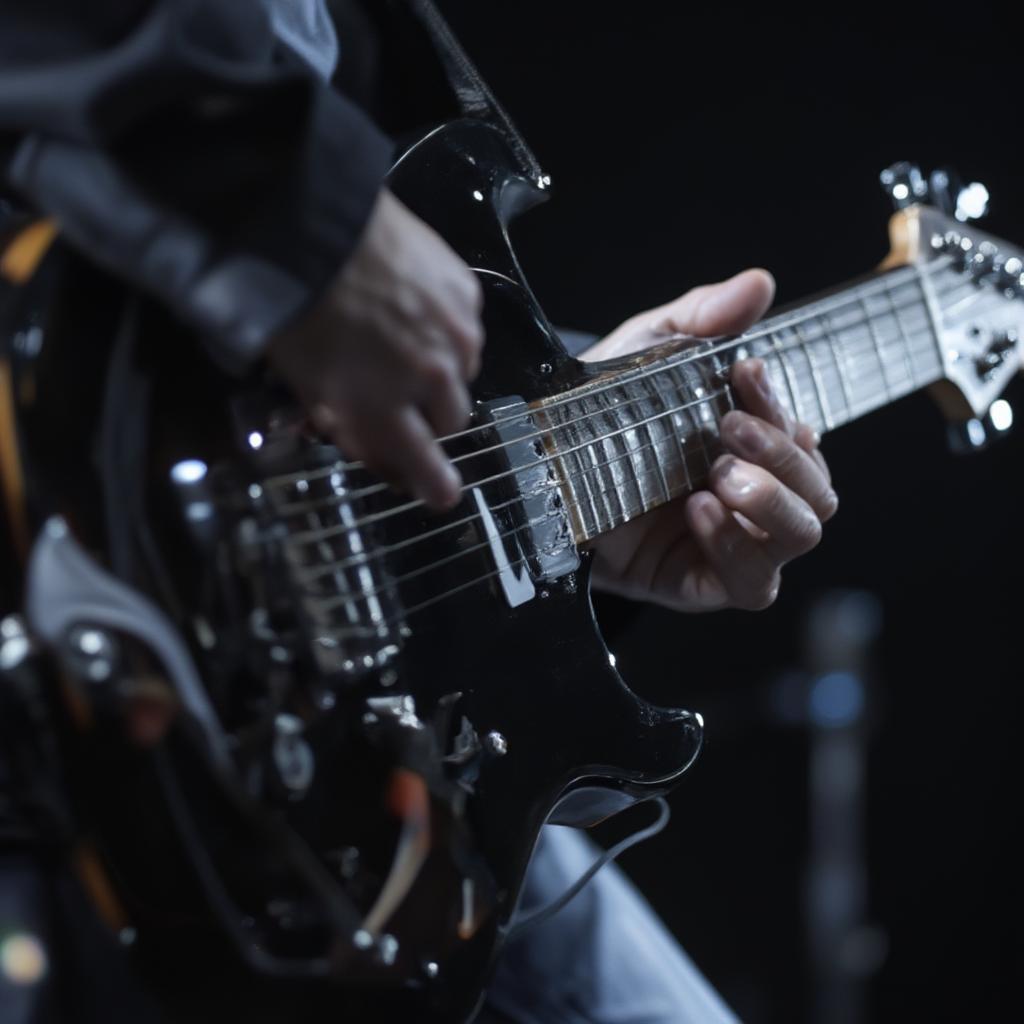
x=685, y=143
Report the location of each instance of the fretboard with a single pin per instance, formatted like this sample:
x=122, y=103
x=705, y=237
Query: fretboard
x=649, y=434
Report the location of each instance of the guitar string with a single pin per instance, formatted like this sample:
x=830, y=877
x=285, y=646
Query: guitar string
x=666, y=496
x=330, y=502
x=314, y=536
x=906, y=275
x=352, y=561
x=584, y=473
x=323, y=533
x=686, y=487
x=347, y=498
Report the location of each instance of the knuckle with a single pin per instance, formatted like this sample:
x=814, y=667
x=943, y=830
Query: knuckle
x=409, y=304
x=770, y=594
x=474, y=291
x=807, y=532
x=829, y=504
x=762, y=595
x=785, y=457
x=436, y=374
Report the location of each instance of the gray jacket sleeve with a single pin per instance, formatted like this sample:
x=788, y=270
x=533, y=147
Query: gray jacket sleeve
x=184, y=148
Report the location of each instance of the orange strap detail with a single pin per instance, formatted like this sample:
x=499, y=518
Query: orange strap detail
x=22, y=257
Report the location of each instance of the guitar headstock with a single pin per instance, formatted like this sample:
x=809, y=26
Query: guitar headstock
x=973, y=283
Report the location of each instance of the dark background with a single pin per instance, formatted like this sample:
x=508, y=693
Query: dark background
x=687, y=142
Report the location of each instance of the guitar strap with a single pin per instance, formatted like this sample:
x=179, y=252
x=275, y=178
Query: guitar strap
x=471, y=92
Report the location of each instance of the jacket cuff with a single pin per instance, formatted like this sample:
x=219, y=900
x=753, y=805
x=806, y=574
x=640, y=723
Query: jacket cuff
x=236, y=293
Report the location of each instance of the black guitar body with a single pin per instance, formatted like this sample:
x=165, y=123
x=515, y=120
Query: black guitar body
x=383, y=696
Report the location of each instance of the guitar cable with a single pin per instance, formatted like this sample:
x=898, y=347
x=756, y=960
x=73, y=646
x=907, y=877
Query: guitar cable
x=524, y=921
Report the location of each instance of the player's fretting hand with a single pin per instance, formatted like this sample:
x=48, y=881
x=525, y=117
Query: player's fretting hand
x=766, y=499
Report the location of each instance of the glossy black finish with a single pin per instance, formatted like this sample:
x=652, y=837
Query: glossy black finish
x=537, y=674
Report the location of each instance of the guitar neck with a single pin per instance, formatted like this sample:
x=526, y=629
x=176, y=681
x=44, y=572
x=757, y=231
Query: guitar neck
x=645, y=435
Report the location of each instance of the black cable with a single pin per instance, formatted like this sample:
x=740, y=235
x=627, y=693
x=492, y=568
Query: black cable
x=530, y=920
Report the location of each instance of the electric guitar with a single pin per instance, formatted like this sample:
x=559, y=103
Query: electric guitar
x=381, y=706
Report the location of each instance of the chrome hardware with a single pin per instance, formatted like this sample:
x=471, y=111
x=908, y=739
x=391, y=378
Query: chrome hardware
x=496, y=744
x=524, y=519
x=400, y=709
x=293, y=757
x=312, y=527
x=904, y=184
x=971, y=202
x=65, y=588
x=976, y=434
x=983, y=261
x=388, y=947
x=466, y=744
x=999, y=350
x=91, y=653
x=15, y=644
x=190, y=478
x=1011, y=277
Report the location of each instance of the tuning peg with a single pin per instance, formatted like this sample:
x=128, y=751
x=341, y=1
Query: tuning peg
x=943, y=189
x=975, y=434
x=982, y=263
x=904, y=184
x=971, y=202
x=1011, y=277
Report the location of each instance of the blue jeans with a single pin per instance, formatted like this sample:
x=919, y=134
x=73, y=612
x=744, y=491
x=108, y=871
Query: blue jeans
x=605, y=958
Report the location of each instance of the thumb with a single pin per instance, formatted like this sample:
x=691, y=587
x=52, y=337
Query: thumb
x=725, y=308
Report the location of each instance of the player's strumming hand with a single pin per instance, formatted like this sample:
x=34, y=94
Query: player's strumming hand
x=382, y=362
x=767, y=496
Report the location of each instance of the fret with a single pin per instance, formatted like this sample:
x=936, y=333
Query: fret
x=593, y=477
x=694, y=431
x=816, y=380
x=932, y=306
x=653, y=444
x=617, y=418
x=577, y=478
x=915, y=316
x=699, y=433
x=903, y=336
x=795, y=406
x=669, y=422
x=873, y=332
x=601, y=439
x=842, y=370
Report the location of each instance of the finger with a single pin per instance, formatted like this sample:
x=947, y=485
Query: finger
x=790, y=523
x=326, y=419
x=809, y=439
x=401, y=447
x=724, y=308
x=756, y=394
x=443, y=394
x=766, y=446
x=742, y=565
x=459, y=326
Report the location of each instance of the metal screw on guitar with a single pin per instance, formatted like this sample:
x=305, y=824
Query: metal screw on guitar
x=293, y=757
x=496, y=744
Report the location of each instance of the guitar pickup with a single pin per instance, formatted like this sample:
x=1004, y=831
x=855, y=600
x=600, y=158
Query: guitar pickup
x=522, y=511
